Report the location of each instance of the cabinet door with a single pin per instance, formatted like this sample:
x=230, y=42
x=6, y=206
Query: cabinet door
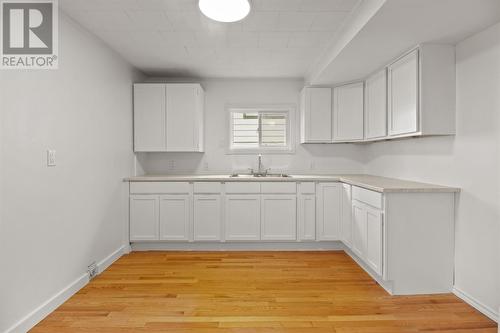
x=403, y=95
x=348, y=112
x=376, y=106
x=358, y=229
x=183, y=117
x=316, y=115
x=374, y=236
x=328, y=214
x=242, y=218
x=307, y=216
x=279, y=217
x=144, y=218
x=207, y=217
x=174, y=217
x=149, y=117
x=346, y=215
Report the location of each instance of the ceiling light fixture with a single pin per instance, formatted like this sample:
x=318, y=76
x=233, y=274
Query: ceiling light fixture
x=225, y=10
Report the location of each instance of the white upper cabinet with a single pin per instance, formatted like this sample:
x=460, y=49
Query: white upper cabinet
x=149, y=117
x=168, y=117
x=348, y=109
x=184, y=117
x=421, y=92
x=376, y=105
x=316, y=115
x=403, y=95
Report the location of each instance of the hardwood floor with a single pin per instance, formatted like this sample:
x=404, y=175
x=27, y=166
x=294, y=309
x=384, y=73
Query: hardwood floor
x=247, y=292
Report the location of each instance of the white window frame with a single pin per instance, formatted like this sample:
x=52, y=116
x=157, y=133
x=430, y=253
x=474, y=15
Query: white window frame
x=266, y=108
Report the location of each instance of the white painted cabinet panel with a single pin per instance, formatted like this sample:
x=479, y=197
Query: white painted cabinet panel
x=144, y=218
x=348, y=109
x=374, y=238
x=279, y=217
x=175, y=217
x=376, y=105
x=242, y=218
x=183, y=117
x=328, y=211
x=368, y=235
x=316, y=115
x=149, y=117
x=346, y=215
x=358, y=229
x=403, y=108
x=306, y=211
x=207, y=217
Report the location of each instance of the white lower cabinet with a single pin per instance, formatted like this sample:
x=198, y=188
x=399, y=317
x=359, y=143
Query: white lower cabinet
x=207, y=217
x=367, y=235
x=328, y=211
x=346, y=215
x=306, y=218
x=175, y=217
x=374, y=237
x=144, y=217
x=279, y=217
x=242, y=220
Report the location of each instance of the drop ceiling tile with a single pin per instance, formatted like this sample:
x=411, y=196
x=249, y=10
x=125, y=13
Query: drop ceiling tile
x=295, y=21
x=273, y=39
x=276, y=5
x=327, y=5
x=143, y=19
x=308, y=39
x=242, y=39
x=328, y=21
x=179, y=38
x=261, y=21
x=105, y=19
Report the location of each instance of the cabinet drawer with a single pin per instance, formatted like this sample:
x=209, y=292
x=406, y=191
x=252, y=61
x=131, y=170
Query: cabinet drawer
x=279, y=188
x=207, y=188
x=368, y=197
x=160, y=187
x=307, y=188
x=242, y=187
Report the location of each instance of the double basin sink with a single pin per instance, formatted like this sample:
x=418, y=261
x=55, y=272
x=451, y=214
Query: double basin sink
x=269, y=175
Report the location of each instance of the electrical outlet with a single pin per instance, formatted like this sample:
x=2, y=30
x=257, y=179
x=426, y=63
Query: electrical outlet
x=92, y=270
x=312, y=166
x=171, y=164
x=51, y=158
x=205, y=166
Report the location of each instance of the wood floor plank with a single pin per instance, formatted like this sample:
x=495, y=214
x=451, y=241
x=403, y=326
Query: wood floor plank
x=247, y=292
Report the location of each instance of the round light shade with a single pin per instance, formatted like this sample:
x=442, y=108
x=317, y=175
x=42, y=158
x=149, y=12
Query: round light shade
x=225, y=10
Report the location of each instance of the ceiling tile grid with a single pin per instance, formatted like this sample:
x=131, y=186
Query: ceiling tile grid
x=280, y=38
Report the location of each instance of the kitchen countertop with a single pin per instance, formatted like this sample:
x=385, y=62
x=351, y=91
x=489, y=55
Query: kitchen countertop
x=374, y=183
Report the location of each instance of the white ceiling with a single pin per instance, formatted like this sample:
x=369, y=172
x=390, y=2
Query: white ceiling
x=397, y=26
x=280, y=38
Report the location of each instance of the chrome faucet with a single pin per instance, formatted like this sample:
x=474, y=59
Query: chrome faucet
x=261, y=172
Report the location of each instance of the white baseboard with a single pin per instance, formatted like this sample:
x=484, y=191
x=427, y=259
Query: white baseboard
x=37, y=315
x=106, y=262
x=484, y=309
x=237, y=246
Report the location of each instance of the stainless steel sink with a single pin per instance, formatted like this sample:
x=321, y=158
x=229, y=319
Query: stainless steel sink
x=269, y=175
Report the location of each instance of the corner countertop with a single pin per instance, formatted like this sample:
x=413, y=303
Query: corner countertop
x=370, y=182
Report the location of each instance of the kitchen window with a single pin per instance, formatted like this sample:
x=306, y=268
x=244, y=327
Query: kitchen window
x=265, y=129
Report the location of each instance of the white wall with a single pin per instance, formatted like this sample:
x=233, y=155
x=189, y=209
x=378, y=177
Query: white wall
x=55, y=221
x=471, y=160
x=324, y=158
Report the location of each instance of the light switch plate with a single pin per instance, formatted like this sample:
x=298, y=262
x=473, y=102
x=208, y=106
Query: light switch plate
x=51, y=158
